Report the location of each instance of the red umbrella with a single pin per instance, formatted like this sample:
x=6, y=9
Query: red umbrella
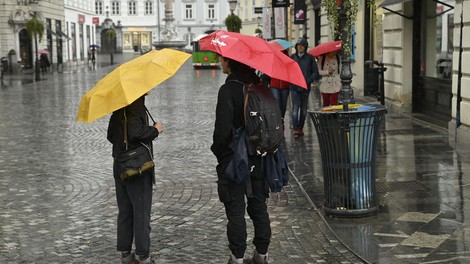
x=43, y=52
x=325, y=48
x=256, y=53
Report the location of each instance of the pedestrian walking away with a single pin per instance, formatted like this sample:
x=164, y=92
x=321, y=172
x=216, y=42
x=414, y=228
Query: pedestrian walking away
x=329, y=65
x=129, y=128
x=299, y=96
x=229, y=117
x=44, y=62
x=280, y=90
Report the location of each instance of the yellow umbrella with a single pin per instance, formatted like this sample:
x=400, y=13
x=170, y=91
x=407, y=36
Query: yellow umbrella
x=128, y=82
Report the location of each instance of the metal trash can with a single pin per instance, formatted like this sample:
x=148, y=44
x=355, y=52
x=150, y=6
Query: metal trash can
x=348, y=142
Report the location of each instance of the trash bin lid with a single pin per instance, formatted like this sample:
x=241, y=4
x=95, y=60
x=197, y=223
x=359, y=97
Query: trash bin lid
x=353, y=108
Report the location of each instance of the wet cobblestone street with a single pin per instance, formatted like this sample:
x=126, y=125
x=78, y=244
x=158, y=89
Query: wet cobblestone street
x=57, y=192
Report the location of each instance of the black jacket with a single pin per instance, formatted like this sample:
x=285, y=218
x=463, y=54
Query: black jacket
x=138, y=128
x=229, y=113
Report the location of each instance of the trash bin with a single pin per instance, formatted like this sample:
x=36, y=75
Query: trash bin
x=348, y=142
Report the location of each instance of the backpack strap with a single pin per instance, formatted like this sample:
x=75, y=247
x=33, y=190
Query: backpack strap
x=248, y=187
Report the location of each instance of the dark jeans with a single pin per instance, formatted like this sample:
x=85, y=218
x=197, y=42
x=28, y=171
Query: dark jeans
x=134, y=199
x=299, y=107
x=233, y=197
x=281, y=96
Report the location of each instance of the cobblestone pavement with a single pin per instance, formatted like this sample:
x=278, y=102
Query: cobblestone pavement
x=57, y=193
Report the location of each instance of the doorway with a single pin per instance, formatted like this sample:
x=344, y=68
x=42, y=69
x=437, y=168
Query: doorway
x=433, y=47
x=26, y=51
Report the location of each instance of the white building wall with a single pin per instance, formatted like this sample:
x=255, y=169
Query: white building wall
x=397, y=57
x=461, y=135
x=14, y=14
x=79, y=12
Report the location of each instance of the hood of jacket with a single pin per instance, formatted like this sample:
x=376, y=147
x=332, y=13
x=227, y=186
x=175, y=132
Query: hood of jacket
x=302, y=42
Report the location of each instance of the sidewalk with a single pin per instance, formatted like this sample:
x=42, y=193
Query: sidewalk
x=422, y=193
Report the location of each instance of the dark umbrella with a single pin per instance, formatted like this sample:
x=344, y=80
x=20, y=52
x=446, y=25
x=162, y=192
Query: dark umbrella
x=459, y=74
x=94, y=46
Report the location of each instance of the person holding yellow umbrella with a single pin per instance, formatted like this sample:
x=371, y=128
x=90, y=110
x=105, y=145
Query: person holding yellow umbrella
x=134, y=197
x=122, y=92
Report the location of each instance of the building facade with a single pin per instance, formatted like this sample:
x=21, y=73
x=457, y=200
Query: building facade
x=421, y=48
x=17, y=45
x=79, y=30
x=417, y=41
x=140, y=23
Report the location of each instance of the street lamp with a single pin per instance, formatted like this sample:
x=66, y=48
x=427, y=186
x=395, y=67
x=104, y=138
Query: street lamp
x=233, y=5
x=346, y=93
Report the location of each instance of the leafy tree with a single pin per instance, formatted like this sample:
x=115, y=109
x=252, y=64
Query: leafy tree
x=35, y=28
x=233, y=23
x=110, y=36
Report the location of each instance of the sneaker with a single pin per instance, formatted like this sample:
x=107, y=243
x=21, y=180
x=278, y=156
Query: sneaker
x=259, y=259
x=295, y=131
x=129, y=259
x=147, y=260
x=235, y=260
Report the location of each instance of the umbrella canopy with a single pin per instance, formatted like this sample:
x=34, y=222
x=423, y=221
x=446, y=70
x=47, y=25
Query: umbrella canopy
x=94, y=46
x=256, y=53
x=325, y=48
x=281, y=44
x=43, y=52
x=128, y=82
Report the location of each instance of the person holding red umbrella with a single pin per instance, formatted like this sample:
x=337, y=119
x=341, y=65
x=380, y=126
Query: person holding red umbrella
x=229, y=115
x=329, y=66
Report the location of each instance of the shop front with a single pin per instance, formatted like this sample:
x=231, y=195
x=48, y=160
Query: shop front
x=137, y=40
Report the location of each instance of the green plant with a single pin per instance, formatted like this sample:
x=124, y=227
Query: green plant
x=110, y=35
x=12, y=52
x=258, y=31
x=233, y=23
x=350, y=9
x=35, y=28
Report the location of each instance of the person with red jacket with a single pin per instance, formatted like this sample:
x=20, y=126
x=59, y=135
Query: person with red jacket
x=280, y=90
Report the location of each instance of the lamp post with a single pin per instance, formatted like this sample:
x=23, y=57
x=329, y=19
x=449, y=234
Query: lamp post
x=346, y=94
x=233, y=5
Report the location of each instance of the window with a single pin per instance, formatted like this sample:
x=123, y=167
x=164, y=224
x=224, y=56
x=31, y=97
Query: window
x=99, y=7
x=211, y=11
x=188, y=11
x=149, y=8
x=115, y=8
x=132, y=8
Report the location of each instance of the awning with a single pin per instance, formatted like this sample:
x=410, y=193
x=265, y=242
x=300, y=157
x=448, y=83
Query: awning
x=53, y=33
x=62, y=34
x=392, y=2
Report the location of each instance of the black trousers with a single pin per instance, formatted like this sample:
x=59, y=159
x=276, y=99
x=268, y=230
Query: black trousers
x=233, y=197
x=134, y=199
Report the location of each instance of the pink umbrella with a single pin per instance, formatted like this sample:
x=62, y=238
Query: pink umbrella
x=43, y=52
x=256, y=53
x=325, y=48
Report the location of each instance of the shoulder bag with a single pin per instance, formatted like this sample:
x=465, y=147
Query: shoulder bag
x=137, y=160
